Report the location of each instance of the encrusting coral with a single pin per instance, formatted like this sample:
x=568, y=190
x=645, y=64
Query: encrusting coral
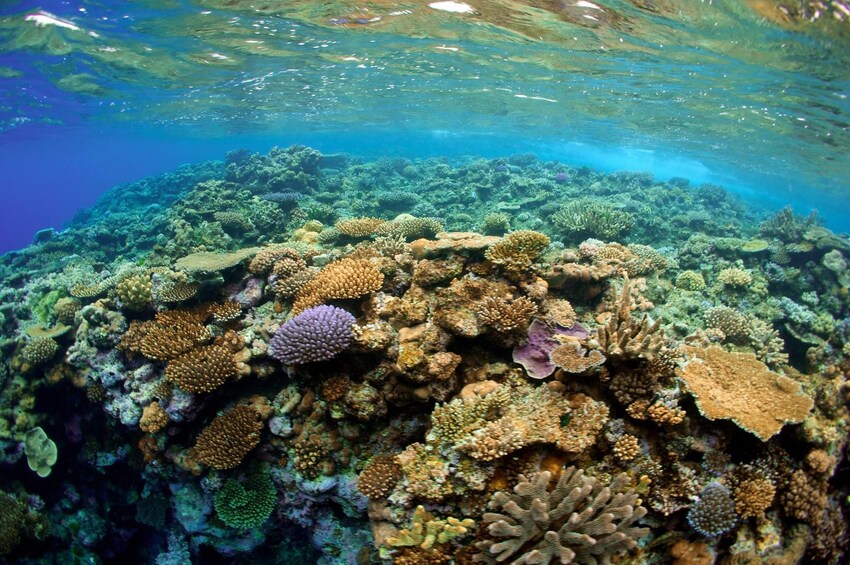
x=579, y=519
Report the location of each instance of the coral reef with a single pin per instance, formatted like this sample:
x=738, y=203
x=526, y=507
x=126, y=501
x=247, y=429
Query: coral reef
x=288, y=356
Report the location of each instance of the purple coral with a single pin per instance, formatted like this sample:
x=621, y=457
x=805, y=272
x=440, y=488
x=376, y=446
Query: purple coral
x=534, y=353
x=316, y=334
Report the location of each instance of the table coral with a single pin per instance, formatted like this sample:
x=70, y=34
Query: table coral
x=579, y=519
x=739, y=387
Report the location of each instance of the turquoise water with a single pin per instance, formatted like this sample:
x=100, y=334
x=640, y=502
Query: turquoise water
x=408, y=282
x=708, y=91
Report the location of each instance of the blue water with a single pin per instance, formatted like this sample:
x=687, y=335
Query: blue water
x=720, y=95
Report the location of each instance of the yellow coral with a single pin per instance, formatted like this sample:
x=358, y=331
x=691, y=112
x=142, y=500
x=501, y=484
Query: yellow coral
x=343, y=279
x=153, y=418
x=427, y=531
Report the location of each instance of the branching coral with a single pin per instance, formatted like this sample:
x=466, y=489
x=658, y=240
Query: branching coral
x=202, y=369
x=39, y=350
x=135, y=292
x=579, y=520
x=379, y=477
x=359, y=227
x=228, y=438
x=623, y=338
x=516, y=252
x=341, y=280
x=580, y=219
x=426, y=531
x=506, y=316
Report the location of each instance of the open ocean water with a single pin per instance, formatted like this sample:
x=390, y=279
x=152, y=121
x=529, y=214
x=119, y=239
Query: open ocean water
x=492, y=281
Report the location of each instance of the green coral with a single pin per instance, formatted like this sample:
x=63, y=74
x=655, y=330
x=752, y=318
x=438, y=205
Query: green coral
x=41, y=451
x=248, y=504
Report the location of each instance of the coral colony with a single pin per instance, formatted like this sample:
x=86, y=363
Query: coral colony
x=322, y=359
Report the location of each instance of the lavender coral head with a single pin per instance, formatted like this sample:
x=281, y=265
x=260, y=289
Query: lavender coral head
x=316, y=334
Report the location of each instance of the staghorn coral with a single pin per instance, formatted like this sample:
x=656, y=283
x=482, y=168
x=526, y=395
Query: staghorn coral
x=713, y=513
x=202, y=369
x=739, y=387
x=316, y=334
x=516, y=252
x=506, y=316
x=225, y=312
x=496, y=223
x=170, y=334
x=622, y=338
x=411, y=228
x=379, y=477
x=341, y=280
x=176, y=291
x=580, y=519
x=225, y=442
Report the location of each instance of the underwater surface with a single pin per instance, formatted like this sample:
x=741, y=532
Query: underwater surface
x=495, y=281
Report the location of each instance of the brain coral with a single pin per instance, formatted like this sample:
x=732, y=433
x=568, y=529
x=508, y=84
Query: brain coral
x=248, y=504
x=344, y=279
x=739, y=387
x=580, y=520
x=317, y=334
x=229, y=437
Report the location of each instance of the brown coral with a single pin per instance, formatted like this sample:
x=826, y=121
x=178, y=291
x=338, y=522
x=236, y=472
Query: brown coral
x=517, y=251
x=266, y=257
x=202, y=369
x=153, y=418
x=627, y=448
x=581, y=519
x=739, y=387
x=228, y=438
x=359, y=227
x=754, y=496
x=343, y=279
x=506, y=316
x=225, y=312
x=623, y=338
x=176, y=292
x=170, y=334
x=379, y=477
x=573, y=358
x=804, y=498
